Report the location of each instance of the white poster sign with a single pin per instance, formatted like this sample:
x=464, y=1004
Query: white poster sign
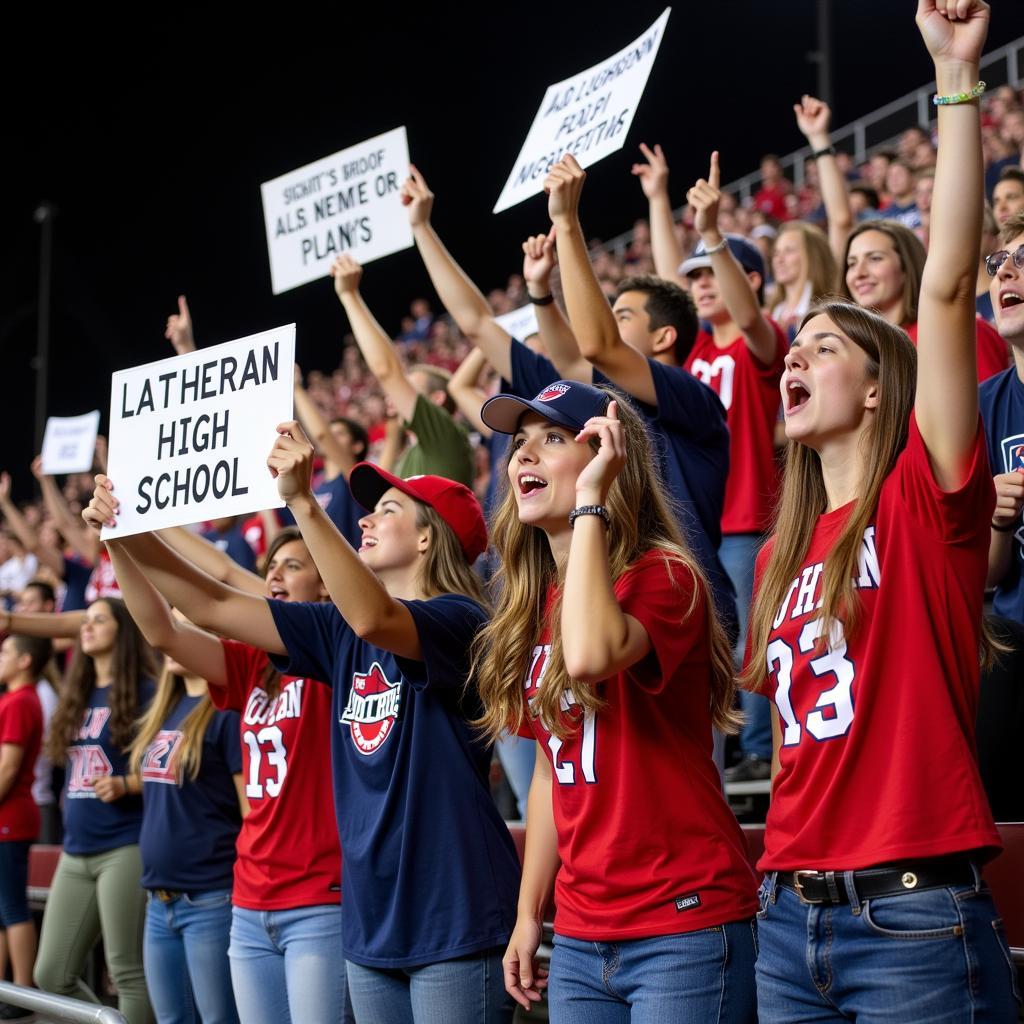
x=521, y=322
x=348, y=202
x=69, y=443
x=587, y=115
x=190, y=435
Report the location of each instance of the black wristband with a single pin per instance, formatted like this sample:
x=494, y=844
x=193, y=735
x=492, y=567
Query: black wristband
x=1005, y=529
x=590, y=510
x=543, y=300
x=827, y=151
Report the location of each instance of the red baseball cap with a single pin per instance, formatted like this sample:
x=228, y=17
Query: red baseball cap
x=455, y=503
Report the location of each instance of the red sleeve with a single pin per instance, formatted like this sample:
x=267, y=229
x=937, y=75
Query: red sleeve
x=950, y=516
x=245, y=668
x=18, y=723
x=778, y=364
x=993, y=354
x=657, y=591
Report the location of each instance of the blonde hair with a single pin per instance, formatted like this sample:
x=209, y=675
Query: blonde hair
x=187, y=758
x=640, y=521
x=820, y=270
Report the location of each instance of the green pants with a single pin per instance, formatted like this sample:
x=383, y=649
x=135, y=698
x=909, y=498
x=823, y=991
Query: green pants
x=90, y=896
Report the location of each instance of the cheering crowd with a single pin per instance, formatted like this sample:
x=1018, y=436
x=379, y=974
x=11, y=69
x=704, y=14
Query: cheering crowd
x=741, y=481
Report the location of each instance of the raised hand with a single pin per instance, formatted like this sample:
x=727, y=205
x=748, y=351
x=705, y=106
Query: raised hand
x=563, y=185
x=953, y=30
x=347, y=274
x=5, y=487
x=418, y=197
x=291, y=461
x=179, y=329
x=1009, y=498
x=653, y=175
x=37, y=468
x=594, y=482
x=813, y=118
x=103, y=506
x=704, y=197
x=539, y=259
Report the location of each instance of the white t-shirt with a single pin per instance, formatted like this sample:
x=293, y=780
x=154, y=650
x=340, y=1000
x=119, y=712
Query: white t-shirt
x=42, y=787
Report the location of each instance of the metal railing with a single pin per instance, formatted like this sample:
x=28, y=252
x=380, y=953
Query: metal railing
x=872, y=131
x=58, y=1008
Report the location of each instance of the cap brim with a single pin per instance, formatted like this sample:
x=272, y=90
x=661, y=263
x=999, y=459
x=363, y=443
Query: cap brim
x=502, y=413
x=692, y=264
x=369, y=482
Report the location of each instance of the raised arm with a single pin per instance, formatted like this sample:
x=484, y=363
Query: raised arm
x=206, y=601
x=55, y=625
x=458, y=294
x=318, y=429
x=196, y=650
x=361, y=598
x=947, y=375
x=592, y=319
x=85, y=542
x=466, y=393
x=179, y=329
x=539, y=257
x=25, y=533
x=813, y=118
x=738, y=294
x=375, y=345
x=208, y=557
x=668, y=253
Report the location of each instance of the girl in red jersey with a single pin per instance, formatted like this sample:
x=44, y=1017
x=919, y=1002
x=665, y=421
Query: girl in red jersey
x=604, y=646
x=285, y=943
x=866, y=629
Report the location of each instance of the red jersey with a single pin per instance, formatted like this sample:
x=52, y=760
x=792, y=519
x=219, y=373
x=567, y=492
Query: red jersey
x=647, y=842
x=102, y=580
x=288, y=851
x=993, y=352
x=21, y=724
x=749, y=390
x=878, y=760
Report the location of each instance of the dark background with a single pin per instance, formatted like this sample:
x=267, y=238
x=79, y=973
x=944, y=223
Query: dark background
x=152, y=140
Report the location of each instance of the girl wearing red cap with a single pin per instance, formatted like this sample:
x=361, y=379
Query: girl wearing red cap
x=430, y=871
x=605, y=647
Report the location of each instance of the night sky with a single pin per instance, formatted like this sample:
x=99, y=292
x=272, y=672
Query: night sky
x=152, y=141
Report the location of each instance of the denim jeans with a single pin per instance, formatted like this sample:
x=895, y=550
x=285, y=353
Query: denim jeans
x=184, y=952
x=289, y=966
x=705, y=976
x=737, y=554
x=938, y=956
x=470, y=990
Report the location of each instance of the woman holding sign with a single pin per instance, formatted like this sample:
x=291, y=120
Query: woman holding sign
x=430, y=870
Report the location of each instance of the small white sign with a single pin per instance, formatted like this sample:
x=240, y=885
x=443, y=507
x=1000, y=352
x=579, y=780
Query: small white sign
x=348, y=202
x=521, y=322
x=190, y=435
x=69, y=443
x=587, y=115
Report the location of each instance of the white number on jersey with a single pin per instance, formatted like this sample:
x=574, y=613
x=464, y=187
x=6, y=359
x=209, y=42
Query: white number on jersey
x=838, y=697
x=265, y=742
x=723, y=367
x=565, y=771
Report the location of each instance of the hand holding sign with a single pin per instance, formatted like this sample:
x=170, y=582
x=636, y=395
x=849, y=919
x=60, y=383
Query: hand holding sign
x=179, y=329
x=563, y=186
x=653, y=175
x=539, y=260
x=291, y=462
x=704, y=197
x=347, y=274
x=102, y=508
x=418, y=197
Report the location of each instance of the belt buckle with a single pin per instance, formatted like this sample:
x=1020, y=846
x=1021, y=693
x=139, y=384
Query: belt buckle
x=800, y=889
x=165, y=895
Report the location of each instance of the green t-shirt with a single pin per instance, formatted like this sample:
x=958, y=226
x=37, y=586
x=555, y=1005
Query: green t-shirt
x=442, y=446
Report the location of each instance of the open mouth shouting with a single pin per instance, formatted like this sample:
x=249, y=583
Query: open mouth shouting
x=797, y=395
x=1008, y=297
x=530, y=484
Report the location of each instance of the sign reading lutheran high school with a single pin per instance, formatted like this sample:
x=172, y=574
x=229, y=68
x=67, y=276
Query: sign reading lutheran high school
x=190, y=435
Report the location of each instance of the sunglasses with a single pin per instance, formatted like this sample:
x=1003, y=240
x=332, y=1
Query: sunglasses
x=995, y=260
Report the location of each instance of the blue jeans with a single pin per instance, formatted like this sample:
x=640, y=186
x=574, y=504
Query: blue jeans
x=737, y=554
x=705, y=976
x=289, y=965
x=470, y=990
x=14, y=881
x=517, y=756
x=937, y=956
x=184, y=952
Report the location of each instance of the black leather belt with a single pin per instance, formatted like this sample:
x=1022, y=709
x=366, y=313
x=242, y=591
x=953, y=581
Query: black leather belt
x=873, y=883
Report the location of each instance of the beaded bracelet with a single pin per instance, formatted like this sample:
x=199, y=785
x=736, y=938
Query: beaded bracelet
x=959, y=97
x=591, y=510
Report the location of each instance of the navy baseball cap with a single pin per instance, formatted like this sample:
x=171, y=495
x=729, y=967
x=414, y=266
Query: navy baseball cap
x=747, y=255
x=565, y=402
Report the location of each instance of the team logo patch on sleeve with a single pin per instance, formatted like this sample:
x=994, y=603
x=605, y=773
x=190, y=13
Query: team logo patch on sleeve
x=551, y=392
x=372, y=709
x=687, y=902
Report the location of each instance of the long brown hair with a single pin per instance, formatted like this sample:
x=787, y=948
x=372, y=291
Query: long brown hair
x=133, y=661
x=640, y=520
x=818, y=258
x=271, y=681
x=892, y=361
x=188, y=757
x=911, y=255
x=444, y=569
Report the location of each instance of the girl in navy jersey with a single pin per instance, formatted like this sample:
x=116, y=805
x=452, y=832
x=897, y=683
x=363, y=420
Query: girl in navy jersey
x=430, y=869
x=605, y=647
x=95, y=889
x=866, y=630
x=285, y=942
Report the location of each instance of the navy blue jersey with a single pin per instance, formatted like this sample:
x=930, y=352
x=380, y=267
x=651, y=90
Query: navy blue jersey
x=90, y=825
x=335, y=498
x=189, y=831
x=691, y=443
x=430, y=870
x=76, y=579
x=234, y=543
x=1002, y=411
